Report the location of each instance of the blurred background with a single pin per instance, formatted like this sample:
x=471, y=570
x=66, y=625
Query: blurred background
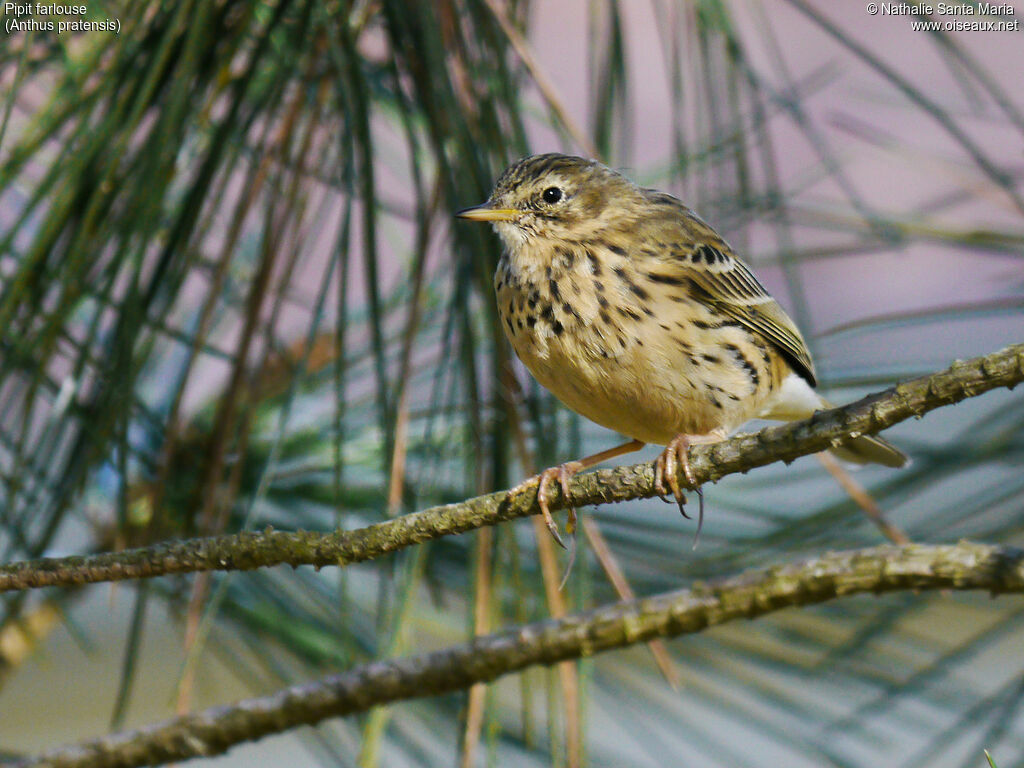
x=232, y=295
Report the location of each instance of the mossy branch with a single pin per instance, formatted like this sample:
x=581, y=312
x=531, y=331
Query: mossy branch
x=965, y=566
x=249, y=550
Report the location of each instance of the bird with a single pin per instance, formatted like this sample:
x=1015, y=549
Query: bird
x=633, y=312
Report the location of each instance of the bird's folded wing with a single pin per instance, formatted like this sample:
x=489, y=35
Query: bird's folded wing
x=725, y=283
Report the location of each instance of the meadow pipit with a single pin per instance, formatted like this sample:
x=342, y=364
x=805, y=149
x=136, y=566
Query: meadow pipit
x=636, y=314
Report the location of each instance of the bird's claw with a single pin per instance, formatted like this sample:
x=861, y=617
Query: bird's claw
x=666, y=469
x=544, y=480
x=562, y=473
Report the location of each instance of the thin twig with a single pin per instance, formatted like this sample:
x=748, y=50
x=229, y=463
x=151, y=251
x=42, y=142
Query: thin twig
x=396, y=481
x=610, y=565
x=481, y=625
x=567, y=673
x=863, y=499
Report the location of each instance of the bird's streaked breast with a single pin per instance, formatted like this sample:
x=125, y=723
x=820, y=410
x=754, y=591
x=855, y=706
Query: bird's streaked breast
x=619, y=343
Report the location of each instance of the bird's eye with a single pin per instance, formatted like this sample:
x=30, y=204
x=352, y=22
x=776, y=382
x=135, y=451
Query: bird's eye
x=552, y=195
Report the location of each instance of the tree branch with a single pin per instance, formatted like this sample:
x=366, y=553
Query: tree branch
x=249, y=550
x=965, y=566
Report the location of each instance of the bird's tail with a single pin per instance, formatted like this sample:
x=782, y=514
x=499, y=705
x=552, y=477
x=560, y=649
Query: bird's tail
x=797, y=400
x=868, y=449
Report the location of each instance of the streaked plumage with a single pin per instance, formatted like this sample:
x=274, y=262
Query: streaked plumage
x=638, y=315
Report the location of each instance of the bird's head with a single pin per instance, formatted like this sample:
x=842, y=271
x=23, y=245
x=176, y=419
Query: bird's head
x=555, y=197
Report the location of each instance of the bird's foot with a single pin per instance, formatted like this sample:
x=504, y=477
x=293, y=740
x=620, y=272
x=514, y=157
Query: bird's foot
x=543, y=481
x=666, y=471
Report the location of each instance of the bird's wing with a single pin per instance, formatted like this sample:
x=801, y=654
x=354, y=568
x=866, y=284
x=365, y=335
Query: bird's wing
x=721, y=281
x=727, y=284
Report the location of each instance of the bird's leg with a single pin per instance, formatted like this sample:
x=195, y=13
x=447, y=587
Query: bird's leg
x=563, y=472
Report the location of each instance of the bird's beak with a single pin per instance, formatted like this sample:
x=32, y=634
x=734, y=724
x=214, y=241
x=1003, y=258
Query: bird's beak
x=487, y=212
